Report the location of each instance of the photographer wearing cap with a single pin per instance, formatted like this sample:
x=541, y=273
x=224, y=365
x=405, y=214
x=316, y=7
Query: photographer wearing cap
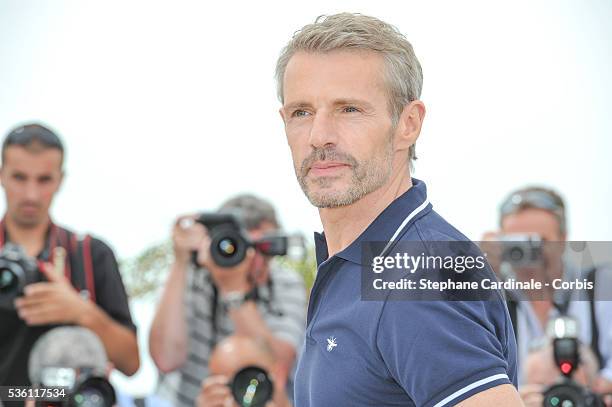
x=540, y=214
x=60, y=279
x=202, y=305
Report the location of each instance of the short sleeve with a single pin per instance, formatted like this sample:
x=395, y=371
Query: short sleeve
x=287, y=317
x=110, y=291
x=442, y=352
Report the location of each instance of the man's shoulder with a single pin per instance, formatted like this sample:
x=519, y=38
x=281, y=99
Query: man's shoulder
x=433, y=227
x=97, y=243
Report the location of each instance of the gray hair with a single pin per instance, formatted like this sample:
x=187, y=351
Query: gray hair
x=251, y=210
x=347, y=31
x=69, y=347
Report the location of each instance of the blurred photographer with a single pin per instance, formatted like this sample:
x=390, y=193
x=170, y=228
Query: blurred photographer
x=541, y=372
x=73, y=358
x=48, y=275
x=536, y=217
x=202, y=305
x=230, y=375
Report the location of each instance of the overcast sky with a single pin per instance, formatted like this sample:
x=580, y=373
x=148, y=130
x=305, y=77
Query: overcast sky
x=169, y=107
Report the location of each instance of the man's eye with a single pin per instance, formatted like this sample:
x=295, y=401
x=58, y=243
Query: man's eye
x=350, y=109
x=299, y=113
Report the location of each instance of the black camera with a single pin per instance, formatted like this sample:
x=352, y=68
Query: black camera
x=229, y=240
x=252, y=387
x=521, y=250
x=17, y=270
x=85, y=387
x=567, y=392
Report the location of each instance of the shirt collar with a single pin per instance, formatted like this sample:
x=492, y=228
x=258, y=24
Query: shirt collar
x=387, y=227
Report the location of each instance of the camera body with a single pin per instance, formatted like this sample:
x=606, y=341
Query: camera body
x=566, y=350
x=230, y=241
x=252, y=387
x=17, y=270
x=521, y=250
x=86, y=387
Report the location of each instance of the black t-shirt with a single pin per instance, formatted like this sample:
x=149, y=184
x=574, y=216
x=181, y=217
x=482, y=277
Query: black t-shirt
x=17, y=339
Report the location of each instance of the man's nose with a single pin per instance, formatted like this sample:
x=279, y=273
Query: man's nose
x=32, y=191
x=323, y=131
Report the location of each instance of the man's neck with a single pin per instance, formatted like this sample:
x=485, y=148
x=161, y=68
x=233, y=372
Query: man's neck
x=32, y=239
x=344, y=224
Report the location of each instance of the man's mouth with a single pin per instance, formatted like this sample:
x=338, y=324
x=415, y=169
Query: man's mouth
x=29, y=208
x=324, y=168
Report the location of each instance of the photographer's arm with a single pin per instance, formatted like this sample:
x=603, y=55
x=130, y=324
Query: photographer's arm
x=168, y=339
x=248, y=321
x=119, y=341
x=168, y=336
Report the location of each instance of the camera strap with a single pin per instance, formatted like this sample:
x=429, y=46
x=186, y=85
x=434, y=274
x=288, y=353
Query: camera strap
x=83, y=278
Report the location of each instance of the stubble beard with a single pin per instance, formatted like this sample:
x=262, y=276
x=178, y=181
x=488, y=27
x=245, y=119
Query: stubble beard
x=366, y=176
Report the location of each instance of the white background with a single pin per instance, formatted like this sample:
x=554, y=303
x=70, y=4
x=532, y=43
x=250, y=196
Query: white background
x=170, y=106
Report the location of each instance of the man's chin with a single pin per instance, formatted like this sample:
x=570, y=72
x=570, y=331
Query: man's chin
x=325, y=198
x=27, y=221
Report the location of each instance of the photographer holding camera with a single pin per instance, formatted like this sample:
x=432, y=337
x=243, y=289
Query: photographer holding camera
x=49, y=276
x=203, y=304
x=542, y=373
x=533, y=217
x=242, y=370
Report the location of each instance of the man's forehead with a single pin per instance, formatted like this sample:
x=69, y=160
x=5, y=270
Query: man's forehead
x=348, y=74
x=27, y=159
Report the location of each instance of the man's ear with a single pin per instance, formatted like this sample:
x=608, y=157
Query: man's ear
x=409, y=125
x=282, y=114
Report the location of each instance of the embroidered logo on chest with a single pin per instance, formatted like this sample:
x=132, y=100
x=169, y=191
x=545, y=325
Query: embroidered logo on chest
x=331, y=343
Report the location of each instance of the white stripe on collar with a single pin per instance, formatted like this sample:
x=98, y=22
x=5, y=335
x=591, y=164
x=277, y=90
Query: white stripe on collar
x=403, y=225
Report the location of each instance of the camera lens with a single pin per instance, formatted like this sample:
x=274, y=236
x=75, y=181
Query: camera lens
x=516, y=254
x=8, y=280
x=565, y=395
x=252, y=387
x=89, y=398
x=227, y=247
x=94, y=392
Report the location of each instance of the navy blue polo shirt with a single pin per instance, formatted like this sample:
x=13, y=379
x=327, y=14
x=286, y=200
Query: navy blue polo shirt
x=398, y=353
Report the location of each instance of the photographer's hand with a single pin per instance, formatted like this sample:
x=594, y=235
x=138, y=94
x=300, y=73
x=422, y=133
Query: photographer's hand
x=215, y=393
x=187, y=237
x=604, y=387
x=52, y=302
x=531, y=394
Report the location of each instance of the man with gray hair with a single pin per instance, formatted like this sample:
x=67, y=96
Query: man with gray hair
x=349, y=85
x=202, y=306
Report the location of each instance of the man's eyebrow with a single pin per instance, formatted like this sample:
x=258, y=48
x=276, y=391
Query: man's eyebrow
x=296, y=105
x=337, y=102
x=352, y=101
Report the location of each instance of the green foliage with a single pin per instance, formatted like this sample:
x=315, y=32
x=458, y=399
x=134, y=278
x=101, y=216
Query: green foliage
x=146, y=273
x=306, y=267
